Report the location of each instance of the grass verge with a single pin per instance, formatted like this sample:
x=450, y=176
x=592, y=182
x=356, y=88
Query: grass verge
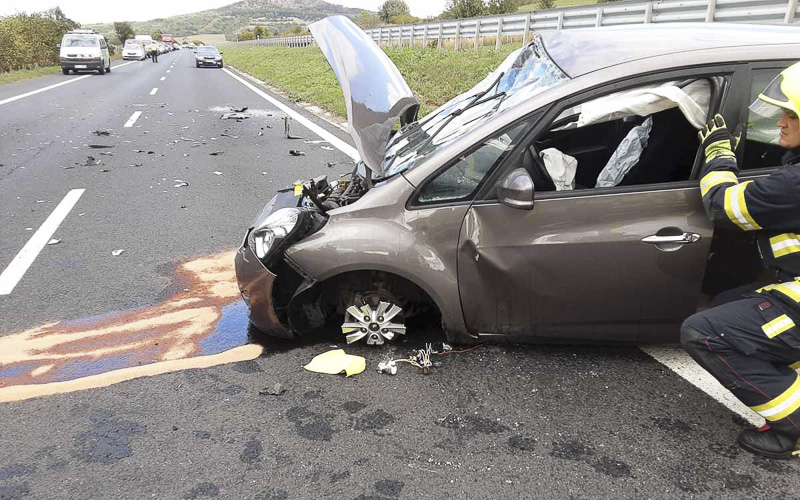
x=27, y=74
x=435, y=76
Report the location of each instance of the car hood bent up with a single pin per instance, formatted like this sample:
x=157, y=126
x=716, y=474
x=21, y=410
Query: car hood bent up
x=375, y=93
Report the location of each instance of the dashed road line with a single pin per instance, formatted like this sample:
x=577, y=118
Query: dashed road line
x=23, y=260
x=51, y=87
x=153, y=92
x=313, y=127
x=135, y=116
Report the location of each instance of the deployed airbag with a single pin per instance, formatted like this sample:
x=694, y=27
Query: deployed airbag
x=626, y=155
x=561, y=168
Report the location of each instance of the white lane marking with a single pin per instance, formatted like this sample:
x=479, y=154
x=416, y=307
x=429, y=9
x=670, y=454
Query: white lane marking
x=50, y=87
x=153, y=92
x=321, y=132
x=163, y=78
x=682, y=364
x=135, y=116
x=17, y=268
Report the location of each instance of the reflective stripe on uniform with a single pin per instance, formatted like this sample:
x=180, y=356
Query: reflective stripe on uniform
x=784, y=244
x=778, y=326
x=782, y=406
x=790, y=289
x=712, y=179
x=736, y=207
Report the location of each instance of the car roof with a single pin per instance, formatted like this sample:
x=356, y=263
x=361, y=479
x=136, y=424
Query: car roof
x=581, y=51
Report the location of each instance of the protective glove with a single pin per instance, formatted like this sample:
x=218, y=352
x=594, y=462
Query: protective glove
x=717, y=141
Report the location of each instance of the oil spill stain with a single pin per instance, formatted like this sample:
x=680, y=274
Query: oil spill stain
x=108, y=441
x=252, y=451
x=204, y=326
x=14, y=491
x=310, y=425
x=203, y=490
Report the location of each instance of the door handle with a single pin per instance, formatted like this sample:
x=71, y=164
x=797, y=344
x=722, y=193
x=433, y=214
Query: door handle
x=680, y=239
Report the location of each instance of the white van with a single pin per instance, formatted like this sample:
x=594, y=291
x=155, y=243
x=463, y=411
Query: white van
x=84, y=50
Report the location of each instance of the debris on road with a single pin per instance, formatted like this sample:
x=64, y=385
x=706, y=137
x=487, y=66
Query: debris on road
x=106, y=153
x=180, y=183
x=90, y=161
x=335, y=362
x=296, y=152
x=54, y=241
x=389, y=367
x=229, y=135
x=234, y=116
x=327, y=148
x=100, y=146
x=275, y=390
x=102, y=132
x=217, y=172
x=287, y=127
x=320, y=141
x=216, y=153
x=117, y=253
x=241, y=110
x=331, y=164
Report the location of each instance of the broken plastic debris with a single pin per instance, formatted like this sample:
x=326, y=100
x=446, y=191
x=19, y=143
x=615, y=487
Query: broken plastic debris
x=275, y=390
x=315, y=142
x=216, y=153
x=117, y=253
x=229, y=135
x=180, y=183
x=102, y=132
x=331, y=164
x=296, y=152
x=287, y=127
x=54, y=241
x=240, y=110
x=389, y=367
x=327, y=148
x=100, y=146
x=337, y=361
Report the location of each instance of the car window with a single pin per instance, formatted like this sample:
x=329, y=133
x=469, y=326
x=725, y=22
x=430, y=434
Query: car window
x=643, y=135
x=761, y=148
x=461, y=180
x=80, y=42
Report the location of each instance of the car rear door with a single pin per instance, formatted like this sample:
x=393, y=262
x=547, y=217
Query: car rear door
x=623, y=263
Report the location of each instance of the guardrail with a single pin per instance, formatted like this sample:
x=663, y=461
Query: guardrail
x=475, y=31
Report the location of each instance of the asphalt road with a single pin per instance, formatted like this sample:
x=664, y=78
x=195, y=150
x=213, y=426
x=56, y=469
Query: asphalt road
x=501, y=421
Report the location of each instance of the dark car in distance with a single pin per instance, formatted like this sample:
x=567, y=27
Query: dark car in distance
x=208, y=55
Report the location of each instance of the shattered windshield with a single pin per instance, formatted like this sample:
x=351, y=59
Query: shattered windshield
x=525, y=73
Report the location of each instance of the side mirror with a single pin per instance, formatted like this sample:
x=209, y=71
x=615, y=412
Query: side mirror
x=220, y=53
x=516, y=190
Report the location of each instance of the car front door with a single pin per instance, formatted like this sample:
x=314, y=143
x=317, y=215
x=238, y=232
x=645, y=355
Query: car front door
x=624, y=263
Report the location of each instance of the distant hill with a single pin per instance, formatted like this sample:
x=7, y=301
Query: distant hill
x=236, y=17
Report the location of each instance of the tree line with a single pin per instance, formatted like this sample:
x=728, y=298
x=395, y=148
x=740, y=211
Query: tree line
x=29, y=41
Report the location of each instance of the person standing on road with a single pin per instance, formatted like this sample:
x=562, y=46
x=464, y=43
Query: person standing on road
x=154, y=52
x=751, y=344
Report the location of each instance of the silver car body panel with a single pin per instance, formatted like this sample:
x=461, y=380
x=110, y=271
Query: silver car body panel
x=375, y=93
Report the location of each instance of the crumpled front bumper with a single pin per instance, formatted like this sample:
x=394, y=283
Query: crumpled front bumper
x=256, y=283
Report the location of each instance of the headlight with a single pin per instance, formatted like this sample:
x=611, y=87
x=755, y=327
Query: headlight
x=218, y=58
x=275, y=228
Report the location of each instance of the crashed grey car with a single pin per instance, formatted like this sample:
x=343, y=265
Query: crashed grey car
x=557, y=200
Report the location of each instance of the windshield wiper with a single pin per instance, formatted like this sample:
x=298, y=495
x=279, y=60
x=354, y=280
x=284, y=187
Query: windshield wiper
x=476, y=100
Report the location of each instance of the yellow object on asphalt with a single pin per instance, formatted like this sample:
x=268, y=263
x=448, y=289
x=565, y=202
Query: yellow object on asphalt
x=337, y=361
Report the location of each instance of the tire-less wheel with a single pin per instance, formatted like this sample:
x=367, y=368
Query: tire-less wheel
x=65, y=71
x=375, y=317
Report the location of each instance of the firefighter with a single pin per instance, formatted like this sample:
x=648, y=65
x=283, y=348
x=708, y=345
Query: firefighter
x=752, y=345
x=154, y=52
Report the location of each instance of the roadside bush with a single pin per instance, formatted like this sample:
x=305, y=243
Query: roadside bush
x=29, y=41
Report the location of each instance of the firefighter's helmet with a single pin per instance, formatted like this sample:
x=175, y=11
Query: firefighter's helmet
x=782, y=94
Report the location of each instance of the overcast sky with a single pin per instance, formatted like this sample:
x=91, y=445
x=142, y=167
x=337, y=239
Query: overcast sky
x=101, y=11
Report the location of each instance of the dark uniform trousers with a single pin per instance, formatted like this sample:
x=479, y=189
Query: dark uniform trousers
x=751, y=343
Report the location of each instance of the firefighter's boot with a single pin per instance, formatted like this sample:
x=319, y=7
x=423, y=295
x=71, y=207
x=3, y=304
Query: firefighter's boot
x=770, y=443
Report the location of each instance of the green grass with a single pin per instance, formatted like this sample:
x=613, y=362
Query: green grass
x=435, y=76
x=27, y=74
x=559, y=4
